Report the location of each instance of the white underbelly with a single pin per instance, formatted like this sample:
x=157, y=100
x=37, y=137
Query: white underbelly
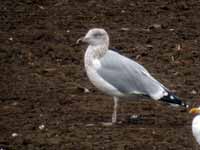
x=196, y=133
x=196, y=128
x=101, y=84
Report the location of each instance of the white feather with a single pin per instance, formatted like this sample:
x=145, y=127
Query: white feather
x=96, y=64
x=196, y=128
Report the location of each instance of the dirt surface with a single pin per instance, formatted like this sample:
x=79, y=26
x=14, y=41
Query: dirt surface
x=42, y=103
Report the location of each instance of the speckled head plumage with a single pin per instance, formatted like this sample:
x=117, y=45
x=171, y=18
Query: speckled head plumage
x=95, y=37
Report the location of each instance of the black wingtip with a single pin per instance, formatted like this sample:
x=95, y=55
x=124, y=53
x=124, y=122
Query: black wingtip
x=173, y=99
x=185, y=105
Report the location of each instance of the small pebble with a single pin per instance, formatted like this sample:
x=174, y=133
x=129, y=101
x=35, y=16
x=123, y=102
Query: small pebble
x=155, y=26
x=89, y=125
x=138, y=57
x=193, y=92
x=41, y=7
x=123, y=11
x=14, y=104
x=10, y=38
x=171, y=29
x=149, y=46
x=83, y=89
x=14, y=134
x=178, y=47
x=125, y=29
x=135, y=119
x=153, y=132
x=41, y=127
x=176, y=73
x=172, y=58
x=86, y=90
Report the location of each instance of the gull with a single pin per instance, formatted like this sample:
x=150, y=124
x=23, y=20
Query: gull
x=119, y=76
x=196, y=123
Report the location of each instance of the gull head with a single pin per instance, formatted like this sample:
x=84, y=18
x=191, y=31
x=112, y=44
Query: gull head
x=95, y=37
x=195, y=110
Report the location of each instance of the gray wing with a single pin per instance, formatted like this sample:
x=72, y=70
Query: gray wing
x=127, y=76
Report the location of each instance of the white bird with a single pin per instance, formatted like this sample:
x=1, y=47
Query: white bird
x=196, y=124
x=119, y=76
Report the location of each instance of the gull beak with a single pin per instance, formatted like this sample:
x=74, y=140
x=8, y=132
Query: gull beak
x=194, y=111
x=82, y=39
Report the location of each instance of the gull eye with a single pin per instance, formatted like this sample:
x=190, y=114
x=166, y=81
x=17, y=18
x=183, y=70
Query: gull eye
x=97, y=34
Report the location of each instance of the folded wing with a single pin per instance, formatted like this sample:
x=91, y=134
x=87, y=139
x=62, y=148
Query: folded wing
x=128, y=76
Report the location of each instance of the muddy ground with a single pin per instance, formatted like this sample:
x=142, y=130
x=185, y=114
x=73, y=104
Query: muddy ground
x=42, y=103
